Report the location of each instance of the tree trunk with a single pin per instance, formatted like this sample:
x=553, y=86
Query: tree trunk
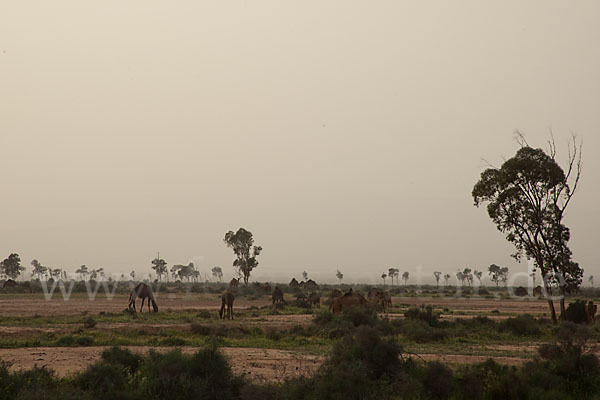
x=552, y=311
x=563, y=315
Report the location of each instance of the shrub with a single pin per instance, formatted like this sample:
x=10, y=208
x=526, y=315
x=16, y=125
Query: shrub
x=576, y=312
x=360, y=316
x=123, y=358
x=84, y=341
x=437, y=380
x=424, y=314
x=89, y=322
x=204, y=314
x=204, y=375
x=523, y=325
x=200, y=329
x=173, y=341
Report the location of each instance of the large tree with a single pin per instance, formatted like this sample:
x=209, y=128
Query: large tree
x=242, y=244
x=11, y=266
x=526, y=198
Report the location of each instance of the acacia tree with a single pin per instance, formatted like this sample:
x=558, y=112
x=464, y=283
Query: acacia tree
x=526, y=198
x=394, y=272
x=339, y=275
x=446, y=279
x=11, y=266
x=437, y=275
x=305, y=275
x=591, y=280
x=160, y=266
x=82, y=271
x=38, y=269
x=478, y=275
x=217, y=272
x=405, y=278
x=383, y=276
x=242, y=244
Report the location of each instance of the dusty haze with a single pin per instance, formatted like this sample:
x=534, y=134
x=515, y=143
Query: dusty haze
x=344, y=134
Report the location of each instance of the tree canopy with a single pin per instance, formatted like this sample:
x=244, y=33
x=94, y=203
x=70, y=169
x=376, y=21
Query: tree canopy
x=526, y=198
x=242, y=244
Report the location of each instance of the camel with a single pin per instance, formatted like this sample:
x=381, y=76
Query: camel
x=377, y=297
x=348, y=301
x=294, y=284
x=314, y=299
x=277, y=296
x=311, y=285
x=226, y=300
x=234, y=283
x=142, y=291
x=590, y=311
x=10, y=284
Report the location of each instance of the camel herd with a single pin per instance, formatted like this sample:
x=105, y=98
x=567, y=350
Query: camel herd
x=338, y=301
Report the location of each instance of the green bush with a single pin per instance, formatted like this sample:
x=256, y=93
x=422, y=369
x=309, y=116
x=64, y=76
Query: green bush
x=425, y=314
x=576, y=312
x=204, y=375
x=523, y=325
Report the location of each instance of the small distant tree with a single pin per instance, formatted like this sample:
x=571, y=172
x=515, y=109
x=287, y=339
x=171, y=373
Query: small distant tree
x=447, y=279
x=478, y=275
x=437, y=275
x=242, y=244
x=83, y=272
x=460, y=277
x=468, y=276
x=339, y=275
x=496, y=273
x=394, y=273
x=38, y=269
x=405, y=278
x=591, y=280
x=383, y=276
x=305, y=275
x=159, y=266
x=132, y=275
x=217, y=272
x=56, y=273
x=11, y=266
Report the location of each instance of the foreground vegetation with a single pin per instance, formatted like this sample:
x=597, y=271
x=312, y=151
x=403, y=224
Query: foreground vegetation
x=363, y=364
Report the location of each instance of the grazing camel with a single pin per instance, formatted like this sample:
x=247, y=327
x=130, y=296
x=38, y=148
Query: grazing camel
x=277, y=296
x=314, y=299
x=234, y=283
x=226, y=300
x=142, y=291
x=377, y=297
x=348, y=301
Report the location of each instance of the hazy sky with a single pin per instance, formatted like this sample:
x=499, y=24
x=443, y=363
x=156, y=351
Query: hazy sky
x=344, y=134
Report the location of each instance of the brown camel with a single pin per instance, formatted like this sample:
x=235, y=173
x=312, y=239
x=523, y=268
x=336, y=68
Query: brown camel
x=234, y=283
x=226, y=300
x=277, y=296
x=311, y=285
x=10, y=284
x=377, y=297
x=314, y=299
x=348, y=301
x=142, y=291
